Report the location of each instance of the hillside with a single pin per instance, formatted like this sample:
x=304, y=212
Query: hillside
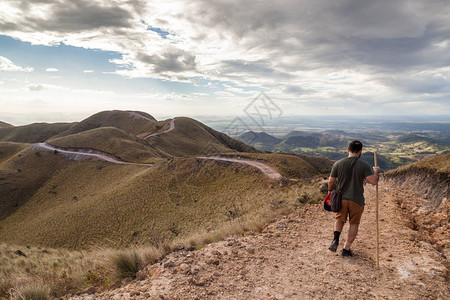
x=50, y=188
x=23, y=172
x=9, y=149
x=116, y=205
x=190, y=137
x=289, y=259
x=4, y=124
x=33, y=133
x=426, y=204
x=413, y=138
x=260, y=140
x=296, y=133
x=135, y=137
x=111, y=140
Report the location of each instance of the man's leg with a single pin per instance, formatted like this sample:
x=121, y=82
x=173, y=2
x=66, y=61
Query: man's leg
x=341, y=217
x=355, y=212
x=339, y=225
x=352, y=233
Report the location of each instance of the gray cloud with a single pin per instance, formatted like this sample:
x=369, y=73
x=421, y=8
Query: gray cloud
x=80, y=15
x=172, y=60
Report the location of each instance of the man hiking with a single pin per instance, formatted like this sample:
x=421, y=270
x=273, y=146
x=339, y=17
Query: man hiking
x=353, y=195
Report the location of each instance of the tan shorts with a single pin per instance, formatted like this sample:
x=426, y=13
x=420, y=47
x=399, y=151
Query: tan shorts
x=352, y=209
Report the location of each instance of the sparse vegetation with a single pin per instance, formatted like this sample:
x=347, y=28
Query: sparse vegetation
x=32, y=292
x=127, y=263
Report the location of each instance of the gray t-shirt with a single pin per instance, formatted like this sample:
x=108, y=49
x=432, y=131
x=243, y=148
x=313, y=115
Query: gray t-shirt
x=355, y=189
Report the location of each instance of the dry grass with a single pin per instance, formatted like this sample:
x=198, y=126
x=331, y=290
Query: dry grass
x=439, y=164
x=127, y=263
x=9, y=149
x=117, y=206
x=23, y=174
x=68, y=271
x=32, y=292
x=32, y=133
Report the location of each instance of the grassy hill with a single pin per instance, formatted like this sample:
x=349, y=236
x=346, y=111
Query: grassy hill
x=111, y=140
x=92, y=203
x=22, y=172
x=33, y=133
x=191, y=137
x=413, y=138
x=260, y=140
x=438, y=165
x=9, y=149
x=303, y=141
x=59, y=198
x=132, y=122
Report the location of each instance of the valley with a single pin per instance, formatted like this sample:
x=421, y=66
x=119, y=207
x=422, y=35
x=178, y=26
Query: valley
x=394, y=148
x=140, y=183
x=76, y=196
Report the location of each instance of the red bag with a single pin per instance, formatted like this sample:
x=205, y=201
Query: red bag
x=327, y=202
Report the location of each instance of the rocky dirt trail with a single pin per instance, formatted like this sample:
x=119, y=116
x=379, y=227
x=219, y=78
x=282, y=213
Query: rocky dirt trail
x=289, y=259
x=78, y=154
x=264, y=168
x=170, y=128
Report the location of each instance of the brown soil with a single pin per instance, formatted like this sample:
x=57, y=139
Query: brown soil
x=289, y=259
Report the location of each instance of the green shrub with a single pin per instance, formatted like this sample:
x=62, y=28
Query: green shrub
x=127, y=264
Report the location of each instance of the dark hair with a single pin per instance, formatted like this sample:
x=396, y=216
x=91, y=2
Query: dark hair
x=355, y=146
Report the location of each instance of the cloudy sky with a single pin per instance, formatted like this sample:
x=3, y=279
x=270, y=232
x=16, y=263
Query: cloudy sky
x=65, y=59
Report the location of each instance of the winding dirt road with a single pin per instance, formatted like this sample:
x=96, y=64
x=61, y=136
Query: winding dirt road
x=171, y=127
x=89, y=153
x=77, y=154
x=267, y=170
x=264, y=168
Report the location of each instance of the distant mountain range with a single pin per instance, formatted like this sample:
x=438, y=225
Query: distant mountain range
x=394, y=148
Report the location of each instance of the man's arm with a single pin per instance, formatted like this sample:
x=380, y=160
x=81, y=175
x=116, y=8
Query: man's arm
x=331, y=183
x=373, y=179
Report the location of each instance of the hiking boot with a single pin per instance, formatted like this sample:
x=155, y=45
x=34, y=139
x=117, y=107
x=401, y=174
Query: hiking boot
x=347, y=252
x=334, y=245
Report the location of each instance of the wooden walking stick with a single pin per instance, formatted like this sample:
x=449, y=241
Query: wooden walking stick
x=376, y=204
